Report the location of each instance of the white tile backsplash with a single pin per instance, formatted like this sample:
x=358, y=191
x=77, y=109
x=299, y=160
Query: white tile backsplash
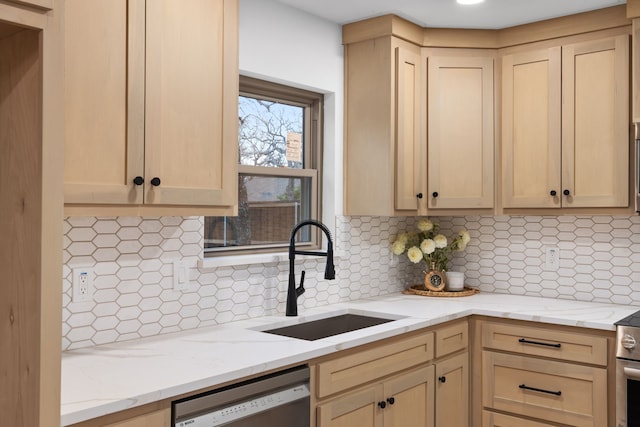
x=133, y=263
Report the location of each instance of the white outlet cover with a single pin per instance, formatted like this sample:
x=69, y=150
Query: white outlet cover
x=180, y=276
x=552, y=258
x=82, y=286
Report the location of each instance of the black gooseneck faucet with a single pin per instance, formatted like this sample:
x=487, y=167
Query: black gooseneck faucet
x=329, y=272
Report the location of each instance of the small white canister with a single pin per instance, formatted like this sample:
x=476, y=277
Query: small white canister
x=455, y=281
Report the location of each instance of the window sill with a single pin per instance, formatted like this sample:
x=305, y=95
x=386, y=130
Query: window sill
x=232, y=260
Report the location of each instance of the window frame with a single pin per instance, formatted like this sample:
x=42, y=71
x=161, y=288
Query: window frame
x=313, y=104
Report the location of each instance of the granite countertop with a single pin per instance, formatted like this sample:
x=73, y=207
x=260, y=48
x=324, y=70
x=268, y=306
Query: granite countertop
x=109, y=378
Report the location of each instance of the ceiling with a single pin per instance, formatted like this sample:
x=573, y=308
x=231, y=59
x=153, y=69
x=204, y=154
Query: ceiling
x=492, y=14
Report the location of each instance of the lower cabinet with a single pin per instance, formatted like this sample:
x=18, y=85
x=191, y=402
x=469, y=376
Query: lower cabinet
x=403, y=400
x=539, y=375
x=421, y=381
x=161, y=418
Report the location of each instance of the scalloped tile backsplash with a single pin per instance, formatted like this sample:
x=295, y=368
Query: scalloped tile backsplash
x=132, y=259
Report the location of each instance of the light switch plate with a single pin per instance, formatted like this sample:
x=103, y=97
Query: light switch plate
x=180, y=276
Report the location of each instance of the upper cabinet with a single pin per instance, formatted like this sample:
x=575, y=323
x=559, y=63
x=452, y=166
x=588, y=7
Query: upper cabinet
x=547, y=128
x=565, y=126
x=151, y=94
x=383, y=141
x=460, y=131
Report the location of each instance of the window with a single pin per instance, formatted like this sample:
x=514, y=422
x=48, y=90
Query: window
x=279, y=148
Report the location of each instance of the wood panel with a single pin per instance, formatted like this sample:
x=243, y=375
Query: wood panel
x=451, y=338
x=191, y=71
x=495, y=419
x=104, y=142
x=460, y=132
x=350, y=371
x=408, y=124
x=531, y=130
x=354, y=409
x=545, y=342
x=595, y=130
x=413, y=399
x=452, y=391
x=20, y=227
x=161, y=418
x=580, y=397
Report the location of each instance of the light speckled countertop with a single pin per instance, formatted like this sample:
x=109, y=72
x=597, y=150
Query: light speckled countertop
x=109, y=378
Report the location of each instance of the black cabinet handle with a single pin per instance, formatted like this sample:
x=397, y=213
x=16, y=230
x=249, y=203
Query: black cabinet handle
x=391, y=400
x=435, y=194
x=553, y=193
x=419, y=195
x=546, y=344
x=138, y=180
x=442, y=379
x=526, y=387
x=382, y=404
x=155, y=181
x=566, y=192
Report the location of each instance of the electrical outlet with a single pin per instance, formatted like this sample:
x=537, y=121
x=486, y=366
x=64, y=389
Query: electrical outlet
x=552, y=258
x=180, y=276
x=82, y=284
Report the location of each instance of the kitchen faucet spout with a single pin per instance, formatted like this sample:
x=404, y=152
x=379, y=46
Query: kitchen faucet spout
x=329, y=272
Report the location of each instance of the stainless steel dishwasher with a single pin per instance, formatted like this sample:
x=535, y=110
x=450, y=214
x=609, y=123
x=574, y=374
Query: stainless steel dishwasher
x=280, y=399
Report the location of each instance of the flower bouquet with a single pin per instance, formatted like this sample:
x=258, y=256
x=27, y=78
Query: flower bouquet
x=426, y=244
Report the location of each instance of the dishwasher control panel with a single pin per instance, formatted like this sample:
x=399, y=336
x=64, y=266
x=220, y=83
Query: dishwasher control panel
x=228, y=414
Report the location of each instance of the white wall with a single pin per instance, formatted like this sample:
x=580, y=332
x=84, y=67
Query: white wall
x=284, y=45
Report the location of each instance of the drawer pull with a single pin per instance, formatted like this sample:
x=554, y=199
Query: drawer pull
x=546, y=344
x=526, y=387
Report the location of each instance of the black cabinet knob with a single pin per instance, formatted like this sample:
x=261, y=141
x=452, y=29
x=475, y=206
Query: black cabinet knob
x=553, y=193
x=155, y=181
x=419, y=195
x=442, y=379
x=138, y=180
x=566, y=192
x=391, y=400
x=435, y=194
x=382, y=404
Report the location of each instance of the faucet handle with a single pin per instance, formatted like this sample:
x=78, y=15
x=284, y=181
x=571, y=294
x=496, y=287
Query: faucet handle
x=300, y=290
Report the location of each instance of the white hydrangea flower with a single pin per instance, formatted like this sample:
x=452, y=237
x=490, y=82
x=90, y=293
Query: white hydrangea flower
x=428, y=246
x=440, y=241
x=398, y=247
x=415, y=254
x=425, y=225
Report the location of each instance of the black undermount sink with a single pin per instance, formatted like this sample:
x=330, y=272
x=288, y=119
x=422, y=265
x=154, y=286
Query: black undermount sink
x=327, y=327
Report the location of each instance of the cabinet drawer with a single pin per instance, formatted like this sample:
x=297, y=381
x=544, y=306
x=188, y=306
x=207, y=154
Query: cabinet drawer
x=452, y=338
x=492, y=419
x=368, y=365
x=545, y=389
x=545, y=342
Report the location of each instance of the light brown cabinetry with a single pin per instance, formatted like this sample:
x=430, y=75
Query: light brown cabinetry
x=418, y=381
x=545, y=375
x=460, y=130
x=43, y=4
x=383, y=142
x=565, y=126
x=161, y=418
x=31, y=145
x=150, y=105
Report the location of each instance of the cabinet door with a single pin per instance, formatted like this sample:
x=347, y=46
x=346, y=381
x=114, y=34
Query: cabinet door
x=494, y=419
x=410, y=400
x=408, y=139
x=359, y=408
x=44, y=4
x=191, y=102
x=104, y=101
x=460, y=130
x=531, y=131
x=595, y=129
x=452, y=392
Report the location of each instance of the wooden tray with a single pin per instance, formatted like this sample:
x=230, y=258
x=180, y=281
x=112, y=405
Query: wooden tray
x=419, y=290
